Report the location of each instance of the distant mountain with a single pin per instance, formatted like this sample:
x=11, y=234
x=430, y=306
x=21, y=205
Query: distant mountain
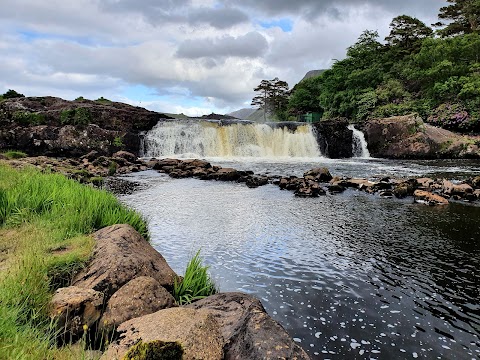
x=312, y=73
x=242, y=114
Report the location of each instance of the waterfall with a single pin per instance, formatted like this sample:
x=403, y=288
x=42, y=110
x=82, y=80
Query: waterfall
x=359, y=144
x=195, y=139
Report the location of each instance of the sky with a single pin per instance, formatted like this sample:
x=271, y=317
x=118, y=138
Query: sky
x=184, y=56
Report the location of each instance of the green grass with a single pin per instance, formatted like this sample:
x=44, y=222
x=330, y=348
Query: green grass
x=196, y=283
x=45, y=222
x=13, y=154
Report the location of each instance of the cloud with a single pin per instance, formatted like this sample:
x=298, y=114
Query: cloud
x=222, y=18
x=250, y=45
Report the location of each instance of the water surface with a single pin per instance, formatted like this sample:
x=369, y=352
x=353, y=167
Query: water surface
x=349, y=276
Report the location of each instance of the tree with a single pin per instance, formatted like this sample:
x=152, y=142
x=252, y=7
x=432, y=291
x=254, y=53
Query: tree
x=272, y=97
x=407, y=34
x=463, y=17
x=10, y=94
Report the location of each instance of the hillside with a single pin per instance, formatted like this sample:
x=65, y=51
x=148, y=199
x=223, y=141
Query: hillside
x=242, y=114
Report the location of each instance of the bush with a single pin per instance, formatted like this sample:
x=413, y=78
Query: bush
x=14, y=154
x=453, y=116
x=28, y=118
x=196, y=283
x=102, y=100
x=10, y=94
x=78, y=116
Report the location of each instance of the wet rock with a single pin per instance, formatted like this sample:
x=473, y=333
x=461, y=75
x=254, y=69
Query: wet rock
x=425, y=183
x=476, y=182
x=335, y=188
x=195, y=163
x=120, y=255
x=228, y=174
x=74, y=310
x=256, y=181
x=309, y=189
x=282, y=184
x=429, y=198
x=161, y=164
x=197, y=331
x=247, y=330
x=140, y=296
x=319, y=174
x=386, y=193
x=460, y=190
x=404, y=189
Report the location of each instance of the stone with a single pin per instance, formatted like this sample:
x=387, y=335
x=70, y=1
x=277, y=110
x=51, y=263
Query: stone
x=320, y=174
x=256, y=181
x=140, y=296
x=120, y=255
x=91, y=156
x=197, y=331
x=425, y=182
x=228, y=174
x=476, y=182
x=248, y=332
x=160, y=164
x=429, y=198
x=282, y=184
x=125, y=155
x=451, y=189
x=309, y=189
x=404, y=189
x=335, y=188
x=74, y=310
x=195, y=163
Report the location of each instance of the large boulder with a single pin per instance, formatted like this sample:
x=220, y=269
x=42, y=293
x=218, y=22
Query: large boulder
x=319, y=174
x=429, y=198
x=196, y=331
x=248, y=332
x=334, y=138
x=120, y=255
x=74, y=310
x=140, y=296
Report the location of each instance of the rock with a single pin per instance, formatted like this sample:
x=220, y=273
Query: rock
x=451, y=189
x=228, y=174
x=120, y=255
x=159, y=164
x=334, y=138
x=72, y=308
x=195, y=163
x=361, y=184
x=256, y=181
x=404, y=189
x=309, y=189
x=126, y=155
x=425, y=183
x=476, y=182
x=140, y=296
x=248, y=332
x=197, y=331
x=335, y=188
x=91, y=156
x=429, y=198
x=320, y=174
x=283, y=183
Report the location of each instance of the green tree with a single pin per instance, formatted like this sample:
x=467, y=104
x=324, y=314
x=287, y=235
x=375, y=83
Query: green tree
x=407, y=33
x=463, y=17
x=272, y=97
x=10, y=94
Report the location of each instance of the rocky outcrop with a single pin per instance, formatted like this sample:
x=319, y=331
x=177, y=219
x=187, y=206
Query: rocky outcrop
x=55, y=127
x=334, y=139
x=121, y=254
x=429, y=198
x=408, y=137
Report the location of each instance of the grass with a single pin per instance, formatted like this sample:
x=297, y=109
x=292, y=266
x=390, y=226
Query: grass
x=13, y=154
x=196, y=283
x=45, y=222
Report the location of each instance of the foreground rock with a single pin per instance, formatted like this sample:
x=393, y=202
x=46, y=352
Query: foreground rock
x=408, y=137
x=246, y=330
x=196, y=331
x=429, y=198
x=122, y=254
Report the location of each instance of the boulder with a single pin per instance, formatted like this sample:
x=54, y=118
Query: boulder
x=451, y=189
x=404, y=189
x=160, y=164
x=91, y=156
x=140, y=296
x=228, y=174
x=126, y=156
x=256, y=181
x=74, y=310
x=429, y=198
x=194, y=163
x=248, y=332
x=309, y=189
x=197, y=332
x=319, y=174
x=425, y=182
x=120, y=255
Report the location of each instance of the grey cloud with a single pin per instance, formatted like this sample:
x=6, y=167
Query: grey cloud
x=221, y=18
x=250, y=45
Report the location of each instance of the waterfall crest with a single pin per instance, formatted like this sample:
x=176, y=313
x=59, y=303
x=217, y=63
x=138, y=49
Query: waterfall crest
x=192, y=139
x=359, y=144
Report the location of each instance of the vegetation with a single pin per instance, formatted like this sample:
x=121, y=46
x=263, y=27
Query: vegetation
x=13, y=154
x=10, y=94
x=155, y=350
x=436, y=75
x=28, y=118
x=102, y=100
x=77, y=116
x=196, y=283
x=272, y=98
x=45, y=220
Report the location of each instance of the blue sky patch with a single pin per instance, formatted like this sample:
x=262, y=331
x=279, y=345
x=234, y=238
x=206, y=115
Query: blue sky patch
x=285, y=24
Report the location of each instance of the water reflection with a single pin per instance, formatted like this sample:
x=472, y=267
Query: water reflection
x=349, y=276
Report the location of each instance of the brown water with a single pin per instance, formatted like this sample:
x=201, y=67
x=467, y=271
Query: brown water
x=350, y=276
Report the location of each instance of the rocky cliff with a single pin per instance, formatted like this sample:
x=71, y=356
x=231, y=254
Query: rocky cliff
x=56, y=127
x=334, y=139
x=408, y=137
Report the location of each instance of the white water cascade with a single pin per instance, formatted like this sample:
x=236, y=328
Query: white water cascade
x=193, y=139
x=359, y=143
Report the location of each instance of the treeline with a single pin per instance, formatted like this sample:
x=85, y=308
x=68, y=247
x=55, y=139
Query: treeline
x=435, y=74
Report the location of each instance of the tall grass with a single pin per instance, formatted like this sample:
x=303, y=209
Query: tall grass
x=196, y=283
x=45, y=220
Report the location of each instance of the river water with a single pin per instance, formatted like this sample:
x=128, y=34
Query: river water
x=350, y=276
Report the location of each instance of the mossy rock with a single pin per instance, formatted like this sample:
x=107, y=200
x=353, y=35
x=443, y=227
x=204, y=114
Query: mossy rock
x=97, y=181
x=155, y=350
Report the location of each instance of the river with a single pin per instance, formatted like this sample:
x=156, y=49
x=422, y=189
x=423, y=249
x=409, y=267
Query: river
x=350, y=276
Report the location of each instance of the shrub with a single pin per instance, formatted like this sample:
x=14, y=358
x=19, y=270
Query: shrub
x=10, y=94
x=112, y=168
x=28, y=118
x=453, y=116
x=13, y=154
x=78, y=116
x=102, y=100
x=196, y=283
x=118, y=141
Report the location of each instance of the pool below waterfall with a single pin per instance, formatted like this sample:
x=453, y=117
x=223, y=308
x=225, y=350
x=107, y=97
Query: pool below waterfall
x=350, y=276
